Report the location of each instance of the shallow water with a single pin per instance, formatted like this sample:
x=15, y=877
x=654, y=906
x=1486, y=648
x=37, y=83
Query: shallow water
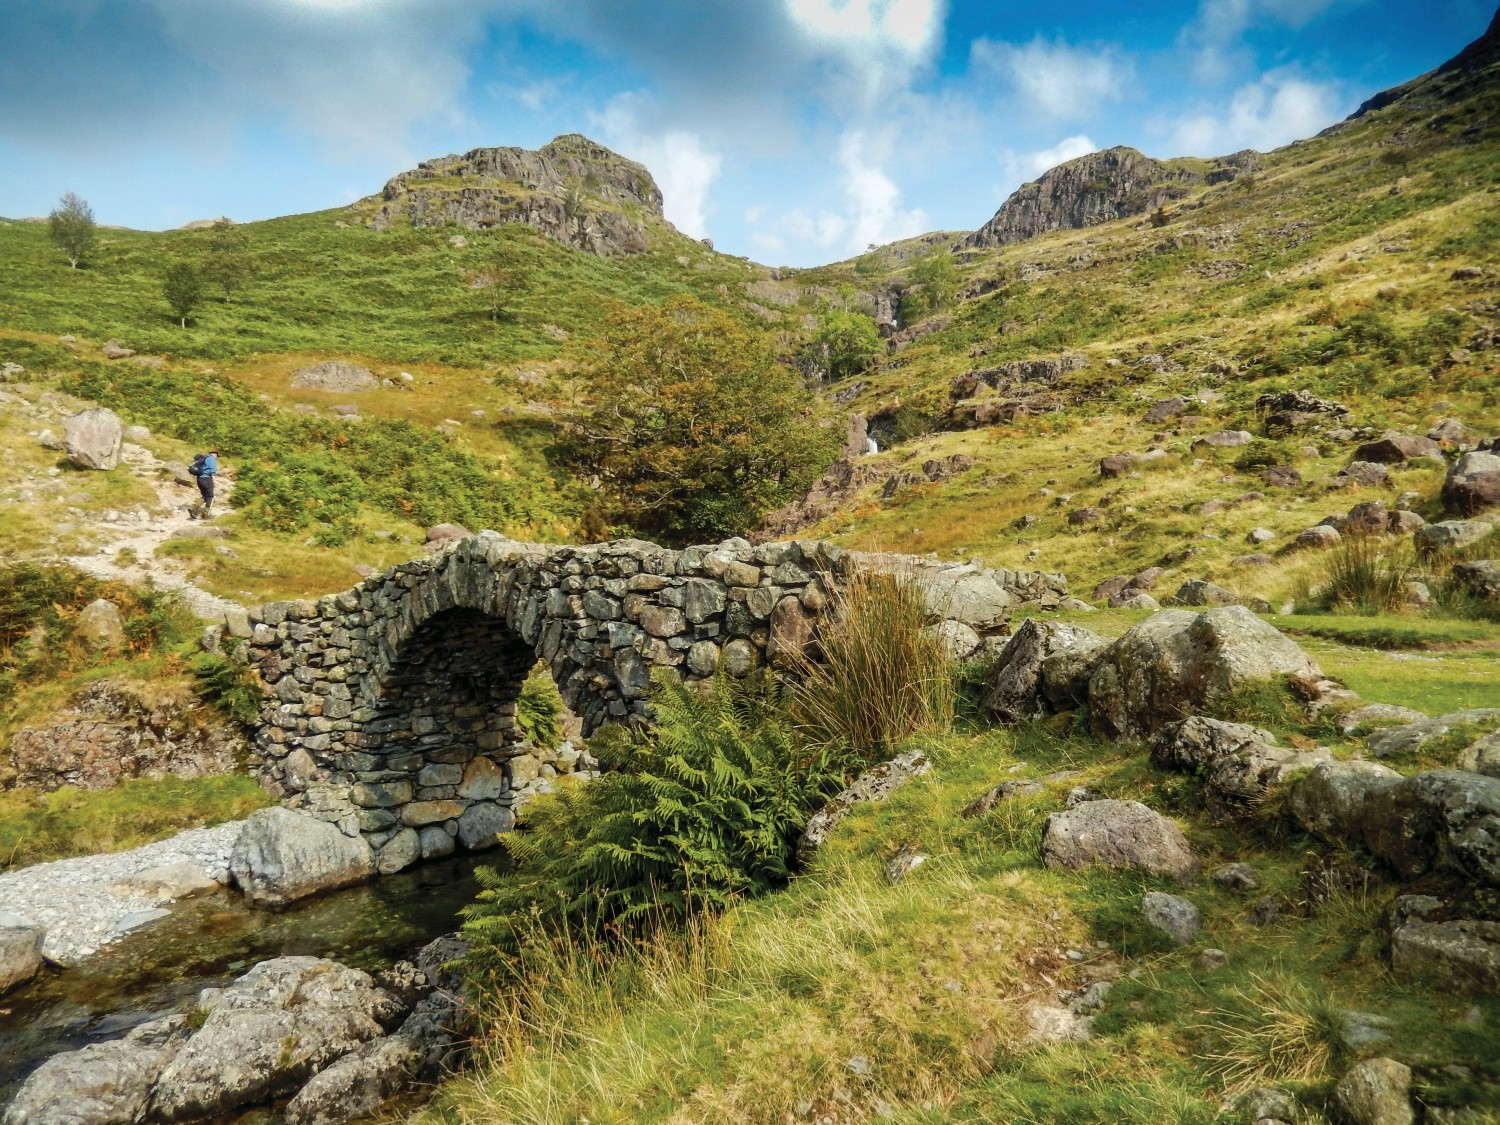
x=209, y=941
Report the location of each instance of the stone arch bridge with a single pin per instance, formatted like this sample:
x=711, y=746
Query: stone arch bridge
x=390, y=709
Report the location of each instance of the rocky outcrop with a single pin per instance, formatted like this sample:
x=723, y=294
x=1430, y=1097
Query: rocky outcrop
x=1376, y=1092
x=1239, y=764
x=115, y=730
x=1434, y=945
x=281, y=856
x=1119, y=834
x=1015, y=689
x=573, y=190
x=92, y=439
x=1098, y=188
x=1176, y=663
x=334, y=375
x=873, y=785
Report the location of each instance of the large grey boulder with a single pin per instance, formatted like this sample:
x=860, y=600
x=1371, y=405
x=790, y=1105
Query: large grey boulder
x=1441, y=820
x=1198, y=741
x=101, y=625
x=102, y=1084
x=1014, y=690
x=92, y=438
x=1331, y=802
x=1460, y=954
x=1176, y=663
x=966, y=594
x=334, y=375
x=873, y=785
x=20, y=950
x=1120, y=834
x=1412, y=737
x=1450, y=535
x=282, y=856
x=1482, y=755
x=1473, y=484
x=358, y=1084
x=268, y=1032
x=1239, y=782
x=1200, y=591
x=1376, y=1092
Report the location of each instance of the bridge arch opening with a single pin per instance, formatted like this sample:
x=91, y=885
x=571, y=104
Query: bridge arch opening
x=441, y=763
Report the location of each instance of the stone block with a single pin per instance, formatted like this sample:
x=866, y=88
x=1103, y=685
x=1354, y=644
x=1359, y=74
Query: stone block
x=435, y=842
x=482, y=780
x=481, y=823
x=383, y=795
x=420, y=813
x=439, y=773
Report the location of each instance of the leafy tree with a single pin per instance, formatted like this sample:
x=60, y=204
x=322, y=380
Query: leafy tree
x=691, y=427
x=847, y=343
x=226, y=261
x=71, y=225
x=182, y=286
x=933, y=282
x=497, y=285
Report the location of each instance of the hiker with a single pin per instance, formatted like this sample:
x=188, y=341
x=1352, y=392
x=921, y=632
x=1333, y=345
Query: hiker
x=205, y=467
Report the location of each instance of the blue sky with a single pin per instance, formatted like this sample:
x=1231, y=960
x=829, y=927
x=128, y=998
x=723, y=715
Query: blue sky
x=791, y=131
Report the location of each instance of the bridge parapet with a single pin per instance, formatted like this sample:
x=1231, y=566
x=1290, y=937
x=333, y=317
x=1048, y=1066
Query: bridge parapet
x=390, y=708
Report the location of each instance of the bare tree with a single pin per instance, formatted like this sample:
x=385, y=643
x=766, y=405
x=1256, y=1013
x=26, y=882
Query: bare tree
x=71, y=226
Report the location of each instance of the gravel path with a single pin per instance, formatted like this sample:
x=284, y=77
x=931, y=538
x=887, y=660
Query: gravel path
x=147, y=531
x=81, y=904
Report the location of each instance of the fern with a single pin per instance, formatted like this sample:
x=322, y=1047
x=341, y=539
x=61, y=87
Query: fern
x=703, y=810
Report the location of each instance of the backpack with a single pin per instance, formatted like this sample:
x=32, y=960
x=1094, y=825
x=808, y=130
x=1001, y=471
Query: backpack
x=196, y=468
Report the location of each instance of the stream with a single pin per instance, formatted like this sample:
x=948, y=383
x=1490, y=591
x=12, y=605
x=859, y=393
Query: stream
x=208, y=941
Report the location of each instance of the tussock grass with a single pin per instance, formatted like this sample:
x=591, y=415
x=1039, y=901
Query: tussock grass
x=1368, y=574
x=881, y=678
x=1281, y=1030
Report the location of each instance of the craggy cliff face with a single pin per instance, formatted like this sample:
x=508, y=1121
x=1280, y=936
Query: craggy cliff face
x=572, y=189
x=1098, y=188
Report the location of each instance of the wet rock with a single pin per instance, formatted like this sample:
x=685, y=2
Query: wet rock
x=282, y=856
x=268, y=1033
x=1119, y=834
x=1376, y=1092
x=1173, y=915
x=92, y=439
x=167, y=882
x=873, y=785
x=20, y=950
x=102, y=1084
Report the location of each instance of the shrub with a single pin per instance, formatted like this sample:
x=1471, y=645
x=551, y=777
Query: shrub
x=300, y=490
x=702, y=810
x=228, y=685
x=882, y=677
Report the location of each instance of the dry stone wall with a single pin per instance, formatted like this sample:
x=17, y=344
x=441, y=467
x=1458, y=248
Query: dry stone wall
x=390, y=708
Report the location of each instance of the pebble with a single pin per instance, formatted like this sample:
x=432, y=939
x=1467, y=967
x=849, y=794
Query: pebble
x=72, y=900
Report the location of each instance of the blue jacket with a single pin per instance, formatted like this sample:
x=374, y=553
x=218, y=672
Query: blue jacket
x=210, y=466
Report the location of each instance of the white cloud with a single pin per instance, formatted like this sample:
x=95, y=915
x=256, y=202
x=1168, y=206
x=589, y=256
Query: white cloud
x=1213, y=35
x=881, y=43
x=682, y=165
x=1277, y=108
x=1033, y=164
x=1059, y=80
x=874, y=200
